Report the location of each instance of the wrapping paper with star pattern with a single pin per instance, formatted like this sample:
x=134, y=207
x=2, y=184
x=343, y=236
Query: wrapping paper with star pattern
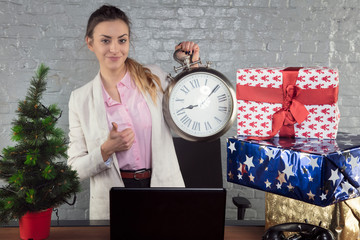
x=317, y=171
x=262, y=96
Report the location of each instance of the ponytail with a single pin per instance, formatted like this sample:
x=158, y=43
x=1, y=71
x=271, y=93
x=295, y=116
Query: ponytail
x=144, y=79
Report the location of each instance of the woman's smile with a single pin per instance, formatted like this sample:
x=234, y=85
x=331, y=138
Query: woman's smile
x=114, y=59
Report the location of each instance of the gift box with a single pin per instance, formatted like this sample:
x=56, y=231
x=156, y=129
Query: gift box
x=341, y=218
x=317, y=171
x=288, y=102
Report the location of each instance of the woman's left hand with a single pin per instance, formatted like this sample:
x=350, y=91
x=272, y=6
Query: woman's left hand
x=189, y=48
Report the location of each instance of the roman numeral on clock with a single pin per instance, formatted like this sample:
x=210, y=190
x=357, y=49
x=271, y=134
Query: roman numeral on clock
x=186, y=120
x=207, y=125
x=195, y=83
x=222, y=109
x=196, y=126
x=221, y=98
x=217, y=119
x=185, y=89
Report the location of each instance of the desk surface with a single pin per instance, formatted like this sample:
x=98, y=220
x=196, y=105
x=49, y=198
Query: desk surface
x=103, y=232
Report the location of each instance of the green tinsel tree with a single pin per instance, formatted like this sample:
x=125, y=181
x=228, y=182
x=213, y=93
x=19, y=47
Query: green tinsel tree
x=36, y=179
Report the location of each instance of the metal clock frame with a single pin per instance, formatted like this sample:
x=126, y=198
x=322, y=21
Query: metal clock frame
x=167, y=94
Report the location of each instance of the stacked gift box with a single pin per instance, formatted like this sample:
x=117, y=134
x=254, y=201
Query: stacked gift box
x=316, y=171
x=288, y=143
x=287, y=122
x=291, y=102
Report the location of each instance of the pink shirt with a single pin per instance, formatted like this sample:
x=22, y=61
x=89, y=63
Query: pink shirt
x=134, y=113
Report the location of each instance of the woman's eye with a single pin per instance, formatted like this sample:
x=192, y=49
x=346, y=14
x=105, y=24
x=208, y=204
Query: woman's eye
x=122, y=41
x=105, y=41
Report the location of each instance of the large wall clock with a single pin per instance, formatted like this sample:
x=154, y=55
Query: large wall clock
x=200, y=103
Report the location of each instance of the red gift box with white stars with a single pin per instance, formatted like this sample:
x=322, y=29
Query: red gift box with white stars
x=288, y=102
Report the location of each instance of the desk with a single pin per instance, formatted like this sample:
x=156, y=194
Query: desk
x=91, y=232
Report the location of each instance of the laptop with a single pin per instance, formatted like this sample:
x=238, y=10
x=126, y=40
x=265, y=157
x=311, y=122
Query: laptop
x=167, y=213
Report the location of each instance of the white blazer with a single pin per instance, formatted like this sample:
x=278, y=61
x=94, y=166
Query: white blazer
x=89, y=129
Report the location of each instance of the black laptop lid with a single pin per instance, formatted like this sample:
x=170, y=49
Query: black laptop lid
x=167, y=213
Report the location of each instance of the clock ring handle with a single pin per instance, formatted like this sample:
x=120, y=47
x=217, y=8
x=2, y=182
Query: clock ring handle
x=186, y=62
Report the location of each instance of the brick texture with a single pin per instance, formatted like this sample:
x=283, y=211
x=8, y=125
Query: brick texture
x=231, y=33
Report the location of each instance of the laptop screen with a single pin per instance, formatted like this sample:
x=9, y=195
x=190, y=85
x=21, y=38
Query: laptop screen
x=167, y=213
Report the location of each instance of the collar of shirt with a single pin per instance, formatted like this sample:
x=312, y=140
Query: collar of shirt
x=124, y=82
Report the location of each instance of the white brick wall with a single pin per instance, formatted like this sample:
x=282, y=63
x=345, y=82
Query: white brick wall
x=231, y=33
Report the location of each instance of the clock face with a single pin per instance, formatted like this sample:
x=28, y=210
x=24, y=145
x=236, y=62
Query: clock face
x=201, y=104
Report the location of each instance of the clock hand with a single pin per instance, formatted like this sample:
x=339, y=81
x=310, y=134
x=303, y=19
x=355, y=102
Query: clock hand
x=188, y=107
x=214, y=90
x=191, y=106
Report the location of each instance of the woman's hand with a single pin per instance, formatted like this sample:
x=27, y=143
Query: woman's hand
x=189, y=48
x=117, y=141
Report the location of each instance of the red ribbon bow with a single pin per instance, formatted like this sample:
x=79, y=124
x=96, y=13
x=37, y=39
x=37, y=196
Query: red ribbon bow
x=292, y=98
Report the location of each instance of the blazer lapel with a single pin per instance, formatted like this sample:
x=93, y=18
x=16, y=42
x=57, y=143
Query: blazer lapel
x=99, y=106
x=101, y=119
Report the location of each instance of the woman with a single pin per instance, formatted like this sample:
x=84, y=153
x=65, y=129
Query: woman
x=118, y=136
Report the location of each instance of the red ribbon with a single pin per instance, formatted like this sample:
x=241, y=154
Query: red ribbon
x=292, y=98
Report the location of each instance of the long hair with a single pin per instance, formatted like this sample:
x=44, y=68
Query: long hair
x=143, y=77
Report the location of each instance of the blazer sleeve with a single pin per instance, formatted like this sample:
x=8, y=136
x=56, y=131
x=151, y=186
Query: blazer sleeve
x=86, y=161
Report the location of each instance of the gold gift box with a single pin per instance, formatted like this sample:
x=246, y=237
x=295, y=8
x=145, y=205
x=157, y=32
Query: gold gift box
x=342, y=218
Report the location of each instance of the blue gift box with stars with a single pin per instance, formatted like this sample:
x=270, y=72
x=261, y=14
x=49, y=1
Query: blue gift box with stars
x=317, y=171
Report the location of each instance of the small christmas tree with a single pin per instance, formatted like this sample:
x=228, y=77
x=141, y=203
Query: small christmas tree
x=36, y=179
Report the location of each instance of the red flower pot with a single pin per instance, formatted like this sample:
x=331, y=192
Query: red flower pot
x=35, y=225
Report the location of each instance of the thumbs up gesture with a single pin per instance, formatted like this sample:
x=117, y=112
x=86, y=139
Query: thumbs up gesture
x=117, y=141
